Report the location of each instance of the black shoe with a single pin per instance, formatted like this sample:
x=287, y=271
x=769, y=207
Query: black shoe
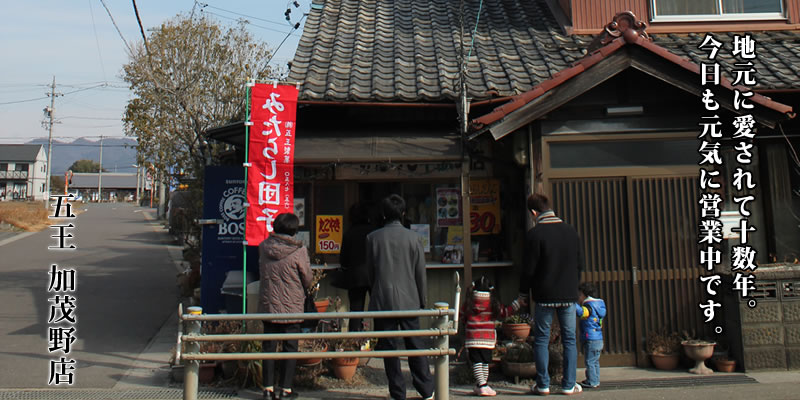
x=288, y=395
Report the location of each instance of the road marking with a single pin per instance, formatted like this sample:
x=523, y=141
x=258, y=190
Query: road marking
x=15, y=238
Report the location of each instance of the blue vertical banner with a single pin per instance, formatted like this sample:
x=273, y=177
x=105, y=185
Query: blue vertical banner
x=224, y=196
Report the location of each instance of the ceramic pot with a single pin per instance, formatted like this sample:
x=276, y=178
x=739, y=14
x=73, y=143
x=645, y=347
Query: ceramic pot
x=699, y=351
x=725, y=365
x=207, y=370
x=322, y=305
x=308, y=362
x=345, y=368
x=665, y=362
x=517, y=330
x=515, y=369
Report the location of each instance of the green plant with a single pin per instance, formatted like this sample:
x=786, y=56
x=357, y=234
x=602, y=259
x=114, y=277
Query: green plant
x=518, y=319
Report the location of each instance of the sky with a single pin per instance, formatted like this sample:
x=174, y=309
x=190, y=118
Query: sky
x=76, y=42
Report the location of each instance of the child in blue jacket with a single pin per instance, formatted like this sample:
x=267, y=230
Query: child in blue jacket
x=591, y=311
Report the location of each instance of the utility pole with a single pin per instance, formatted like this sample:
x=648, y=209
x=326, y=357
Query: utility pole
x=100, y=174
x=49, y=112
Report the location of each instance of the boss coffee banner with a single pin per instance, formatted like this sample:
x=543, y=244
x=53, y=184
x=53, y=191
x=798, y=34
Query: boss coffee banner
x=270, y=177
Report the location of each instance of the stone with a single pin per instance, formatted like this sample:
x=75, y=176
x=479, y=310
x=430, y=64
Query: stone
x=764, y=358
x=762, y=335
x=764, y=312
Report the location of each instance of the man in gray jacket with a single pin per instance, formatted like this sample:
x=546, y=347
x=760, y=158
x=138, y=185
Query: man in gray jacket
x=396, y=264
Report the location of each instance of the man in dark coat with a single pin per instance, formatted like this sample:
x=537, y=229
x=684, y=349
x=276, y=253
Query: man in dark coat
x=396, y=262
x=553, y=263
x=355, y=277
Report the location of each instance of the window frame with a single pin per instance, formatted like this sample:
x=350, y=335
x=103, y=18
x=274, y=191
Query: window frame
x=654, y=17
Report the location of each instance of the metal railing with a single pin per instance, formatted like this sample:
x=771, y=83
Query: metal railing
x=442, y=329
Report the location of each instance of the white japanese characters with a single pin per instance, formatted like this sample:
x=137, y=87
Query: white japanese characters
x=710, y=234
x=61, y=332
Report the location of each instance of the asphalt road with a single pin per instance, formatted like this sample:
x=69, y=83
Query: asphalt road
x=125, y=292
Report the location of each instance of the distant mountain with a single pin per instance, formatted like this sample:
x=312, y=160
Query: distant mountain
x=118, y=154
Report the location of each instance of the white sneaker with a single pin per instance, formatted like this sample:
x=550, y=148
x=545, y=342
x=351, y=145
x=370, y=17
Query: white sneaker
x=433, y=394
x=575, y=390
x=485, y=391
x=540, y=391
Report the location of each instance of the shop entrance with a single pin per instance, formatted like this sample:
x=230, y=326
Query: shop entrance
x=639, y=235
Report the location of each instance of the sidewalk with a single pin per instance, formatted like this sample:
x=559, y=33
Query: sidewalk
x=151, y=372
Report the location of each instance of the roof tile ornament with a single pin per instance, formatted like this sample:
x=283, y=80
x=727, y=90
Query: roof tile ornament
x=623, y=25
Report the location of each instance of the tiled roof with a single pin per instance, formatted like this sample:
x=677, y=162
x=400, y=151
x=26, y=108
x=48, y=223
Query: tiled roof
x=19, y=152
x=407, y=51
x=626, y=35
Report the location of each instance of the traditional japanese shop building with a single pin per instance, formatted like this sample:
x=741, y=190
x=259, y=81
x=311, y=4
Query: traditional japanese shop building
x=607, y=125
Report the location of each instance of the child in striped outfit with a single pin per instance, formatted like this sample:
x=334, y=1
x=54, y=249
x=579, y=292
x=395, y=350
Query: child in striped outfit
x=481, y=312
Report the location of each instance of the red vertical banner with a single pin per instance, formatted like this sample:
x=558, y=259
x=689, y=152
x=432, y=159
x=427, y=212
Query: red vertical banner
x=270, y=177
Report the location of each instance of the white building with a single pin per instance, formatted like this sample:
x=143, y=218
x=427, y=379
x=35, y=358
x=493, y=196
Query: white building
x=23, y=172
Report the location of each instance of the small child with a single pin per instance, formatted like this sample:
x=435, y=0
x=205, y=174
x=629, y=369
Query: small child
x=481, y=311
x=591, y=311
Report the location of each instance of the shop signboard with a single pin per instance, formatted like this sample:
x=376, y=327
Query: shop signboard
x=223, y=232
x=270, y=173
x=484, y=213
x=329, y=234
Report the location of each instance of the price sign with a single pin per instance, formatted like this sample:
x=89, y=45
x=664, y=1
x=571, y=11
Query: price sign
x=329, y=234
x=484, y=212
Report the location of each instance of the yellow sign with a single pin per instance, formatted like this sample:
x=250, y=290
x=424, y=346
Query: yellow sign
x=329, y=234
x=484, y=214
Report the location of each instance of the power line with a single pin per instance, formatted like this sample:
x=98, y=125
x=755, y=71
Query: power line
x=97, y=41
x=100, y=118
x=115, y=26
x=203, y=5
x=242, y=20
x=23, y=101
x=297, y=25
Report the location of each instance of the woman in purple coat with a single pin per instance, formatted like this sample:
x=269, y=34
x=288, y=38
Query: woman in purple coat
x=285, y=276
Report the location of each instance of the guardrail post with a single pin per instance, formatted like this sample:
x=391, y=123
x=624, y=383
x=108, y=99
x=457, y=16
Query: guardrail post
x=441, y=368
x=191, y=368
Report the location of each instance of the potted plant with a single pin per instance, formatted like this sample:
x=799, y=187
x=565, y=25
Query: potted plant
x=699, y=351
x=517, y=362
x=725, y=364
x=313, y=290
x=664, y=349
x=369, y=345
x=518, y=325
x=308, y=346
x=345, y=368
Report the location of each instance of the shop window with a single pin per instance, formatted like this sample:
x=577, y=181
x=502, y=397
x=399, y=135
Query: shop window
x=702, y=10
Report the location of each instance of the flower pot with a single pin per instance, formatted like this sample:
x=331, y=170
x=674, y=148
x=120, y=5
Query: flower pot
x=517, y=330
x=322, y=305
x=699, y=351
x=207, y=370
x=308, y=362
x=516, y=369
x=665, y=362
x=725, y=365
x=345, y=368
